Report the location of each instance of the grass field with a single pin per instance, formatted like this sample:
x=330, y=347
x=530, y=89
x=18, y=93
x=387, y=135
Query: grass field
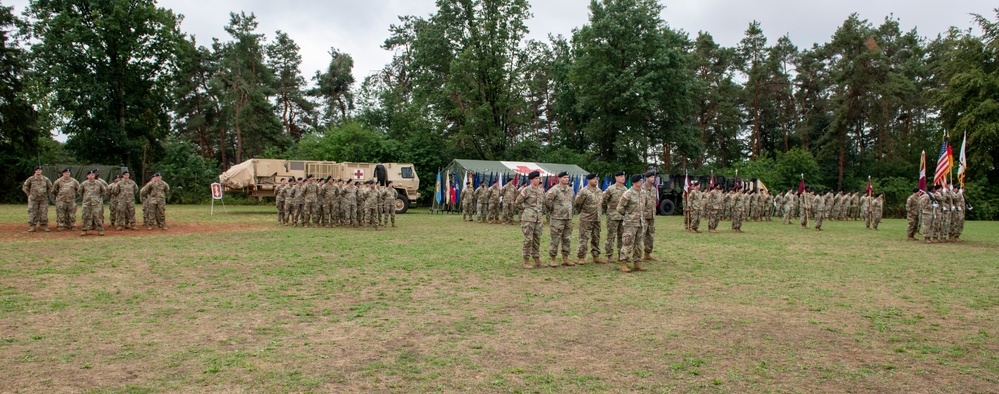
x=236, y=303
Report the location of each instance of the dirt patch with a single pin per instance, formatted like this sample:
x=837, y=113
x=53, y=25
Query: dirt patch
x=20, y=231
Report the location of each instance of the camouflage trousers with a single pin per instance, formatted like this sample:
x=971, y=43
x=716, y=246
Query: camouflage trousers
x=113, y=211
x=867, y=217
x=929, y=226
x=958, y=223
x=322, y=215
x=334, y=209
x=632, y=243
x=532, y=238
x=380, y=207
x=66, y=214
x=290, y=210
x=494, y=211
x=279, y=203
x=787, y=216
x=371, y=216
x=126, y=214
x=482, y=212
x=350, y=213
x=467, y=210
x=615, y=231
x=561, y=236
x=648, y=234
x=589, y=237
x=819, y=215
x=308, y=212
x=695, y=219
x=737, y=220
x=876, y=220
x=803, y=214
x=913, y=222
x=38, y=211
x=389, y=209
x=713, y=216
x=508, y=212
x=943, y=225
x=156, y=214
x=93, y=217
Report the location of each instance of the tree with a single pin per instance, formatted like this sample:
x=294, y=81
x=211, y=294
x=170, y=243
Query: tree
x=718, y=115
x=196, y=107
x=20, y=135
x=333, y=88
x=107, y=65
x=294, y=109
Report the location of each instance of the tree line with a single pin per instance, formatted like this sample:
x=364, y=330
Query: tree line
x=128, y=87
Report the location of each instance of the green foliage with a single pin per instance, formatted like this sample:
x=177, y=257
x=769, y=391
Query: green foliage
x=334, y=88
x=188, y=174
x=349, y=142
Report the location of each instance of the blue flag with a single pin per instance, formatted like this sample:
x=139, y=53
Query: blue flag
x=439, y=195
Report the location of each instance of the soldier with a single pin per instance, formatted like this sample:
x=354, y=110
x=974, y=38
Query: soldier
x=559, y=203
x=820, y=208
x=961, y=204
x=38, y=187
x=648, y=233
x=310, y=196
x=127, y=189
x=290, y=209
x=495, y=196
x=113, y=201
x=298, y=202
x=336, y=207
x=779, y=205
x=322, y=202
x=926, y=205
x=727, y=206
x=714, y=208
x=877, y=208
x=154, y=194
x=530, y=202
x=349, y=201
x=482, y=201
x=92, y=194
x=865, y=209
x=587, y=203
x=804, y=206
x=390, y=196
x=912, y=214
x=370, y=197
x=695, y=200
x=837, y=205
x=631, y=208
x=64, y=191
x=943, y=226
x=615, y=228
x=737, y=198
x=509, y=197
x=279, y=194
x=467, y=203
x=790, y=204
x=379, y=192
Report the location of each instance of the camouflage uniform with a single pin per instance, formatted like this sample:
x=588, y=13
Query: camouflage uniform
x=495, y=209
x=370, y=197
x=154, y=194
x=279, y=194
x=714, y=209
x=615, y=225
x=64, y=191
x=467, y=204
x=127, y=189
x=587, y=203
x=379, y=192
x=865, y=209
x=322, y=203
x=390, y=196
x=310, y=199
x=92, y=194
x=877, y=206
x=559, y=202
x=926, y=203
x=804, y=208
x=509, y=197
x=790, y=202
x=737, y=211
x=631, y=208
x=530, y=202
x=962, y=211
x=290, y=208
x=943, y=226
x=333, y=203
x=649, y=218
x=482, y=201
x=694, y=200
x=819, y=208
x=349, y=201
x=912, y=215
x=113, y=203
x=37, y=188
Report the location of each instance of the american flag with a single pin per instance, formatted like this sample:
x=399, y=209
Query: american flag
x=943, y=163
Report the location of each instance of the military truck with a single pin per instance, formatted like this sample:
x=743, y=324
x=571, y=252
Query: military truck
x=260, y=177
x=671, y=189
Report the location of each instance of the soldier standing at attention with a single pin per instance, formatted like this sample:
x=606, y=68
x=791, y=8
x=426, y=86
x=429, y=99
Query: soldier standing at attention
x=349, y=201
x=336, y=206
x=38, y=187
x=632, y=208
x=865, y=209
x=559, y=202
x=530, y=202
x=926, y=205
x=878, y=206
x=127, y=189
x=962, y=209
x=310, y=197
x=912, y=214
x=379, y=191
x=297, y=201
x=495, y=209
x=290, y=210
x=615, y=227
x=695, y=201
x=92, y=194
x=737, y=212
x=154, y=194
x=820, y=209
x=482, y=201
x=279, y=193
x=371, y=205
x=790, y=204
x=509, y=198
x=714, y=208
x=390, y=196
x=322, y=202
x=113, y=201
x=588, y=204
x=804, y=206
x=64, y=191
x=943, y=226
x=651, y=194
x=467, y=203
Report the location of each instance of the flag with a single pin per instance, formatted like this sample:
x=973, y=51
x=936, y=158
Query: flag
x=801, y=186
x=686, y=183
x=870, y=190
x=943, y=163
x=447, y=187
x=962, y=161
x=458, y=187
x=711, y=185
x=737, y=185
x=439, y=197
x=922, y=172
x=606, y=183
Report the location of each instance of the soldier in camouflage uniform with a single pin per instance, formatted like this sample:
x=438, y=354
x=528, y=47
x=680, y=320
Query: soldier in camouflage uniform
x=615, y=226
x=737, y=212
x=126, y=191
x=928, y=215
x=559, y=203
x=482, y=201
x=370, y=197
x=298, y=202
x=587, y=203
x=92, y=193
x=714, y=208
x=912, y=214
x=805, y=206
x=877, y=207
x=631, y=207
x=279, y=195
x=509, y=197
x=467, y=203
x=154, y=195
x=322, y=202
x=961, y=204
x=64, y=191
x=290, y=209
x=695, y=202
x=336, y=203
x=495, y=194
x=530, y=202
x=349, y=202
x=113, y=201
x=38, y=187
x=648, y=234
x=390, y=196
x=865, y=209
x=820, y=208
x=943, y=228
x=310, y=197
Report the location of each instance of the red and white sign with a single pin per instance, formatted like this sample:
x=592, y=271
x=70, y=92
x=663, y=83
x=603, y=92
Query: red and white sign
x=217, y=191
x=524, y=168
x=358, y=173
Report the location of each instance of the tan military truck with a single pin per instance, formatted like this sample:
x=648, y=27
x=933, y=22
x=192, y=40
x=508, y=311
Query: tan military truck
x=259, y=177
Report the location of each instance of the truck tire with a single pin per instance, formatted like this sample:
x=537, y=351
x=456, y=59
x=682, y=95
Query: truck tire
x=401, y=203
x=381, y=174
x=666, y=207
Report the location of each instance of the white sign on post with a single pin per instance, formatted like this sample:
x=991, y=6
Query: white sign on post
x=217, y=195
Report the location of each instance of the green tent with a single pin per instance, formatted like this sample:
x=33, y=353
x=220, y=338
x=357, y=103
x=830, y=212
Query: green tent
x=509, y=168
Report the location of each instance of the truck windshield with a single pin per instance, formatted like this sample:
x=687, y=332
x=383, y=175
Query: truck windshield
x=407, y=172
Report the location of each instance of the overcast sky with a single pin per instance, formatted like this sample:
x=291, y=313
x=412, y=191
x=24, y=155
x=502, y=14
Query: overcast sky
x=360, y=27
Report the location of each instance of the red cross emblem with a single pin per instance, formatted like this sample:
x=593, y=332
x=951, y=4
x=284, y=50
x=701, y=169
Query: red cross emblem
x=359, y=174
x=524, y=170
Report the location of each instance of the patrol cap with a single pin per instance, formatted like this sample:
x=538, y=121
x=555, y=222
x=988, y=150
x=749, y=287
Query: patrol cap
x=329, y=177
x=98, y=171
x=125, y=171
x=38, y=167
x=650, y=173
x=620, y=173
x=388, y=183
x=310, y=176
x=117, y=177
x=562, y=174
x=590, y=176
x=66, y=170
x=915, y=190
x=158, y=174
x=636, y=178
x=533, y=174
x=300, y=179
x=91, y=172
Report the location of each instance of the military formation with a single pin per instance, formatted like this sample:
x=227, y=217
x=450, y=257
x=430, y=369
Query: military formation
x=92, y=193
x=328, y=202
x=940, y=210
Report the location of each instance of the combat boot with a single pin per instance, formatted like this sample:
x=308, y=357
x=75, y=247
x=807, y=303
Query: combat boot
x=648, y=257
x=598, y=260
x=537, y=262
x=100, y=233
x=119, y=228
x=567, y=262
x=83, y=233
x=553, y=263
x=31, y=229
x=624, y=266
x=610, y=259
x=638, y=266
x=46, y=229
x=60, y=228
x=582, y=261
x=527, y=264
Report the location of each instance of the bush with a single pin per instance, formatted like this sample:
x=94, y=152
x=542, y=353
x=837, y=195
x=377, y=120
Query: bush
x=189, y=175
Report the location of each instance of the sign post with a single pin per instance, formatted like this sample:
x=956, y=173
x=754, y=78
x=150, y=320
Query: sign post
x=217, y=195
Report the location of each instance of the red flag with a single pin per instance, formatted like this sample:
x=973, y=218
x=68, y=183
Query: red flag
x=801, y=186
x=711, y=185
x=922, y=172
x=870, y=190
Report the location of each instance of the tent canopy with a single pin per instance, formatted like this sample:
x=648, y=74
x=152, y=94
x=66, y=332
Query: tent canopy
x=460, y=166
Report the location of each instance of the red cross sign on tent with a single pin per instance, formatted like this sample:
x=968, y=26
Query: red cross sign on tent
x=359, y=174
